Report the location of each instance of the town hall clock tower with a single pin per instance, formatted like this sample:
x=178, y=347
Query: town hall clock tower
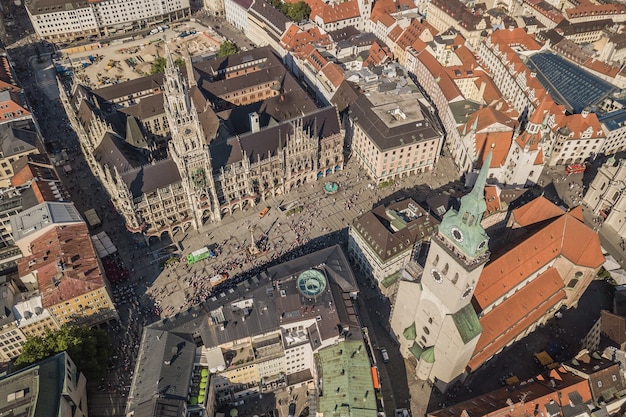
x=434, y=319
x=188, y=147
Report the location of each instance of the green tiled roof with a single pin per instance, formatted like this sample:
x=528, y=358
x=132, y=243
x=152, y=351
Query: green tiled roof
x=466, y=322
x=416, y=350
x=391, y=279
x=428, y=355
x=347, y=376
x=410, y=333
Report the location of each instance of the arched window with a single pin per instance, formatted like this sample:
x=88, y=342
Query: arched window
x=436, y=260
x=456, y=278
x=445, y=269
x=426, y=330
x=572, y=283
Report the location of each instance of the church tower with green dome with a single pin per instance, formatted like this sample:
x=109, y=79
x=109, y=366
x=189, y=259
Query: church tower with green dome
x=444, y=326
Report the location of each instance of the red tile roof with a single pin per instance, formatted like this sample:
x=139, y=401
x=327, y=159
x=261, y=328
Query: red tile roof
x=65, y=264
x=333, y=73
x=449, y=88
x=498, y=142
x=536, y=211
x=384, y=8
x=332, y=12
x=378, y=55
x=294, y=39
x=514, y=315
x=594, y=10
x=560, y=237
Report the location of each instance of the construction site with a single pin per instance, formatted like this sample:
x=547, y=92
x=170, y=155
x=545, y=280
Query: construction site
x=97, y=64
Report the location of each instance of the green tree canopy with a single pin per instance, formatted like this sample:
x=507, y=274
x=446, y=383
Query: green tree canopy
x=297, y=12
x=159, y=63
x=88, y=348
x=227, y=48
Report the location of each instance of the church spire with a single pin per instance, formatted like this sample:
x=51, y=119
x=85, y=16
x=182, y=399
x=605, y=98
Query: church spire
x=479, y=186
x=463, y=227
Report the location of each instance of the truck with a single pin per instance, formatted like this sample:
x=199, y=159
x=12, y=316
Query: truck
x=92, y=218
x=198, y=255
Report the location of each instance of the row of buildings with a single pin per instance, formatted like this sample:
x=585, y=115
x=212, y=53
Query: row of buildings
x=65, y=21
x=50, y=273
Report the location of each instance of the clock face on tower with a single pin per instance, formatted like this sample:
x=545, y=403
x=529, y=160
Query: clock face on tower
x=457, y=234
x=436, y=276
x=467, y=292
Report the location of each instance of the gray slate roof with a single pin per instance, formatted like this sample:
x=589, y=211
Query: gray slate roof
x=115, y=152
x=17, y=137
x=150, y=177
x=164, y=367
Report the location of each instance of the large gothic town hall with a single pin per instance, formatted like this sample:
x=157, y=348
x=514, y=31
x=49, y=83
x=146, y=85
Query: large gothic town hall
x=199, y=141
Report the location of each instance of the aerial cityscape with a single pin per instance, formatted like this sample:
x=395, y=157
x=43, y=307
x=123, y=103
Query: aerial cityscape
x=331, y=208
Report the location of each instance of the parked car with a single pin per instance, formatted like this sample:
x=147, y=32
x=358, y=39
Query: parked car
x=384, y=354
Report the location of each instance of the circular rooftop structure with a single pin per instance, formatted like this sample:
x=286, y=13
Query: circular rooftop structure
x=311, y=283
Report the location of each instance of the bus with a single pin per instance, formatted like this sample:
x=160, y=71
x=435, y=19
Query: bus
x=198, y=255
x=575, y=168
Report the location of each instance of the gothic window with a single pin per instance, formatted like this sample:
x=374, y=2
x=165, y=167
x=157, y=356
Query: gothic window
x=456, y=278
x=465, y=216
x=426, y=330
x=572, y=283
x=430, y=320
x=471, y=221
x=445, y=269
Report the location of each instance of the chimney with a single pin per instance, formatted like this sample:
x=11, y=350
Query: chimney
x=254, y=122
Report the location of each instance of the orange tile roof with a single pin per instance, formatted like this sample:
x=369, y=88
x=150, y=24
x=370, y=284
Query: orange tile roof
x=395, y=34
x=492, y=198
x=591, y=9
x=515, y=37
x=419, y=45
x=577, y=212
x=466, y=56
x=384, y=8
x=412, y=32
x=515, y=314
x=488, y=117
x=562, y=236
x=66, y=264
x=602, y=67
x=334, y=12
x=539, y=158
x=449, y=88
x=13, y=106
x=579, y=123
x=377, y=55
x=528, y=139
x=498, y=142
x=536, y=211
x=333, y=73
x=6, y=75
x=294, y=39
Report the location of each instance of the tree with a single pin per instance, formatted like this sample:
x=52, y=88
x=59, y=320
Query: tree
x=89, y=349
x=159, y=63
x=227, y=48
x=298, y=11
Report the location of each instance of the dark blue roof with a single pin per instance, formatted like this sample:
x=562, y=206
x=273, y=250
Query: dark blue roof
x=614, y=119
x=569, y=84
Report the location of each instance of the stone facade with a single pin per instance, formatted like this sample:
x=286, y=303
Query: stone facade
x=221, y=156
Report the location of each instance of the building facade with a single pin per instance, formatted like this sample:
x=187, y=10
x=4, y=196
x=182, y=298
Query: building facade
x=470, y=307
x=223, y=155
x=73, y=19
x=606, y=196
x=384, y=240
